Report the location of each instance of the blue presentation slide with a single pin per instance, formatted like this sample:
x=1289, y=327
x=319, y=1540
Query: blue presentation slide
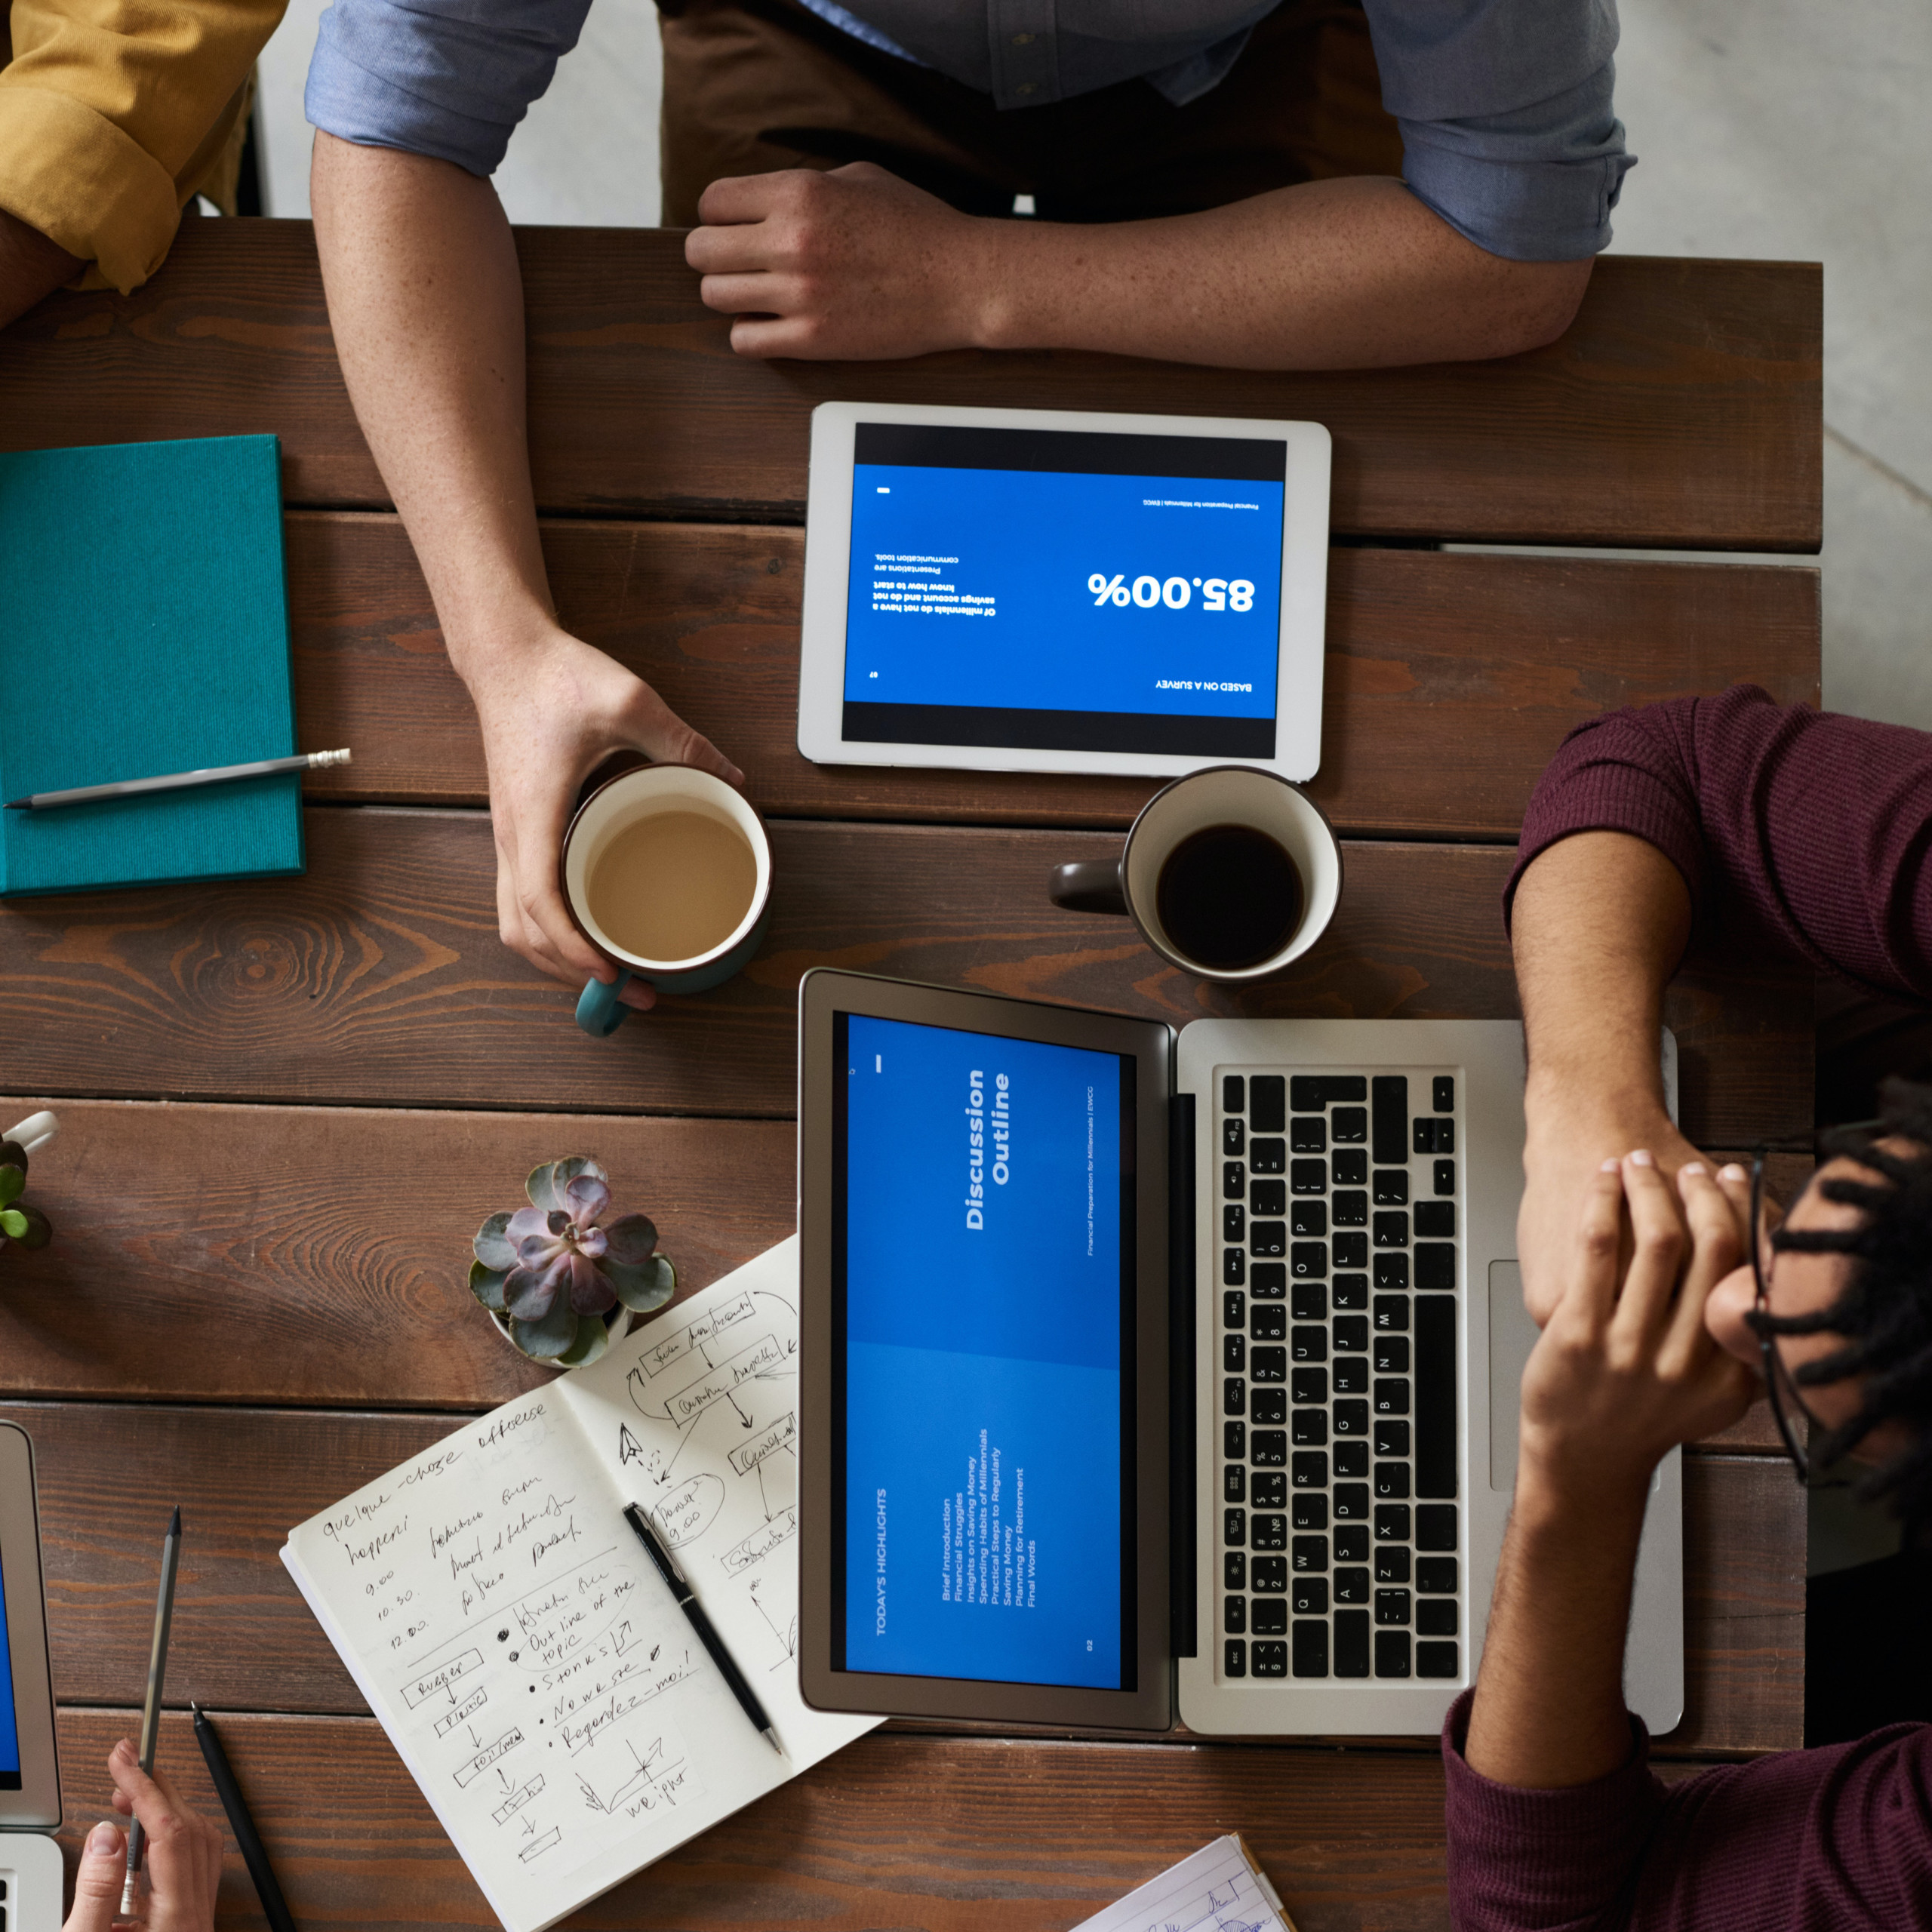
x=1048, y=590
x=10, y=1730
x=983, y=1386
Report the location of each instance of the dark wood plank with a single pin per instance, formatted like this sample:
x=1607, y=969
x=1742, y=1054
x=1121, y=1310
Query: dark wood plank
x=244, y=1637
x=1682, y=407
x=1450, y=679
x=921, y=1835
x=378, y=976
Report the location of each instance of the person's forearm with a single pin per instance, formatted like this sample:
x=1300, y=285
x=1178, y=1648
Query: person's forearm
x=425, y=299
x=31, y=267
x=1347, y=274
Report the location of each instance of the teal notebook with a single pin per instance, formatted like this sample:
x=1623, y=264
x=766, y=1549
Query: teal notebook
x=144, y=630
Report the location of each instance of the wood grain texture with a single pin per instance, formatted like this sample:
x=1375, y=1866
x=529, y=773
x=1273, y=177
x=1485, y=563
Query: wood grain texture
x=243, y=1638
x=1450, y=679
x=378, y=978
x=1682, y=407
x=915, y=1834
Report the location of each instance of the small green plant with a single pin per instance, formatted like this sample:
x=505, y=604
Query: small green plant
x=555, y=1269
x=18, y=1222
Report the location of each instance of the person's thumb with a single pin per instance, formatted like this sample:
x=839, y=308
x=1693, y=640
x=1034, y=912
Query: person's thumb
x=97, y=1880
x=665, y=738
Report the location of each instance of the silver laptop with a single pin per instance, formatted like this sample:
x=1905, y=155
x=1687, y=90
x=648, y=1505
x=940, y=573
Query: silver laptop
x=30, y=1867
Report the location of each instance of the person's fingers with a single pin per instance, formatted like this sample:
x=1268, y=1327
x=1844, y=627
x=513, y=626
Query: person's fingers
x=97, y=1880
x=179, y=1872
x=1659, y=1244
x=664, y=737
x=749, y=249
x=741, y=197
x=1589, y=1295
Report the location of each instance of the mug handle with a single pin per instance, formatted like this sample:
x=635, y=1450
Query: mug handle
x=600, y=1012
x=1088, y=885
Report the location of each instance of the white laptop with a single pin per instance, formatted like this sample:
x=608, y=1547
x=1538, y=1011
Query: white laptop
x=30, y=1866
x=1146, y=1373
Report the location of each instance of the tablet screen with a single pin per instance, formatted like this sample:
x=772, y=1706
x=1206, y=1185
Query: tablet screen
x=1050, y=589
x=9, y=1729
x=983, y=1385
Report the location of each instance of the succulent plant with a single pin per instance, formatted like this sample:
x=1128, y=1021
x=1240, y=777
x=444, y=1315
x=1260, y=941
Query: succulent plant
x=18, y=1222
x=555, y=1269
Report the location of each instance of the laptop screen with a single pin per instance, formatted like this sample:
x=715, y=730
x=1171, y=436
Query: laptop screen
x=9, y=1729
x=1048, y=590
x=982, y=1272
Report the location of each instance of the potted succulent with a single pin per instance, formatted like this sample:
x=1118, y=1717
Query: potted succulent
x=558, y=1275
x=18, y=1222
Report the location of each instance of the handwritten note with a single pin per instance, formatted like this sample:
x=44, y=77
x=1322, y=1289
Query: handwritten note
x=1217, y=1890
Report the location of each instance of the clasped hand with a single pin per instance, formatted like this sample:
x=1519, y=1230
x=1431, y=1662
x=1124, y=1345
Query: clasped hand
x=184, y=1860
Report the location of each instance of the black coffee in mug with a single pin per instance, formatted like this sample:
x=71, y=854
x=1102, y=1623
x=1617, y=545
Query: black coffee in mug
x=1228, y=896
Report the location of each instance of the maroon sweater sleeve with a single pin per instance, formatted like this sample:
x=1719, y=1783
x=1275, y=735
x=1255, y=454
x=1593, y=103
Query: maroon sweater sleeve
x=1840, y=1837
x=1804, y=831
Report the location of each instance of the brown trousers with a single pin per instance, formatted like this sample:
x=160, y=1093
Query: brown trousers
x=754, y=85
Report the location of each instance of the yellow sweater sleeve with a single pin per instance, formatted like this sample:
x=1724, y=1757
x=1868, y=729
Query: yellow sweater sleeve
x=112, y=112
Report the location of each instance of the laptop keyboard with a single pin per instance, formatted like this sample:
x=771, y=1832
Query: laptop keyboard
x=1339, y=1212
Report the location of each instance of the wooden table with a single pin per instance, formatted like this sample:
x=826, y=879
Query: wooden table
x=287, y=1105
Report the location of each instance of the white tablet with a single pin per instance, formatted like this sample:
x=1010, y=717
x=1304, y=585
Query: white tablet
x=30, y=1774
x=1047, y=590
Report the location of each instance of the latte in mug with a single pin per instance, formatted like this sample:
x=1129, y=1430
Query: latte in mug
x=673, y=886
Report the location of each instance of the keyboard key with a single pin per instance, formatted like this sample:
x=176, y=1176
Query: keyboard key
x=1270, y=1660
x=1271, y=1574
x=1392, y=1271
x=1351, y=1503
x=1233, y=1569
x=1267, y=1530
x=1436, y=1219
x=1312, y=1092
x=1311, y=1384
x=1351, y=1377
x=1391, y=1653
x=1234, y=1310
x=1234, y=1660
x=1268, y=1196
x=1269, y=1280
x=1233, y=1180
x=1234, y=1266
x=1268, y=1238
x=1310, y=1344
x=1392, y=1438
x=1351, y=1460
x=1435, y=1616
x=1234, y=1132
x=1271, y=1617
x=1267, y=1103
x=1310, y=1553
x=1351, y=1250
x=1392, y=1607
x=1435, y=1265
x=1270, y=1489
x=1348, y=1123
x=1391, y=1354
x=1436, y=1574
x=1436, y=1396
x=1233, y=1222
x=1435, y=1660
x=1309, y=1301
x=1309, y=1470
x=1351, y=1418
x=1351, y=1634
x=1307, y=1177
x=1392, y=1481
x=1309, y=1136
x=1311, y=1642
x=1234, y=1615
x=1268, y=1364
x=1312, y=1427
x=1269, y=1323
x=1234, y=1353
x=1442, y=1093
x=1311, y=1510
x=1349, y=1166
x=1435, y=1526
x=1351, y=1291
x=1234, y=1441
x=1392, y=1314
x=1445, y=1177
x=1392, y=1522
x=1310, y=1596
x=1391, y=1397
x=1309, y=1219
x=1350, y=1333
x=1389, y=1102
x=1391, y=1187
x=1269, y=1405
x=1351, y=1210
x=1392, y=1564
x=1234, y=1483
x=1234, y=1396
x=1268, y=1447
x=1352, y=1586
x=1391, y=1230
x=1269, y=1156
x=1436, y=1137
x=1351, y=1543
x=1234, y=1092
x=1305, y=1259
x=1234, y=1528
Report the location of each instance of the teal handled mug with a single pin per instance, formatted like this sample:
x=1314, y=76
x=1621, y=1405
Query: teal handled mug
x=667, y=872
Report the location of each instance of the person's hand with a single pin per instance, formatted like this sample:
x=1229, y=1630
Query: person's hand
x=182, y=1862
x=852, y=265
x=1626, y=1369
x=550, y=713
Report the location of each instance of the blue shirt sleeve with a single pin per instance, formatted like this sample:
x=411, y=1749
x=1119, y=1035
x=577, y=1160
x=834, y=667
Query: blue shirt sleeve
x=1508, y=131
x=449, y=78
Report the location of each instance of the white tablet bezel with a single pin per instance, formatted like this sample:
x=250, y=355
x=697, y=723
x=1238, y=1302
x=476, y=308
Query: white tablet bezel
x=1299, y=662
x=36, y=1805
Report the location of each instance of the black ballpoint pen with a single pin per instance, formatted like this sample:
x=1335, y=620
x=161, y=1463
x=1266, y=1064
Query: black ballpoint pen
x=667, y=1568
x=275, y=1908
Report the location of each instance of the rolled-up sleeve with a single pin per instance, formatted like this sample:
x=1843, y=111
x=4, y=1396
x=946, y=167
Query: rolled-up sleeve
x=1509, y=132
x=447, y=78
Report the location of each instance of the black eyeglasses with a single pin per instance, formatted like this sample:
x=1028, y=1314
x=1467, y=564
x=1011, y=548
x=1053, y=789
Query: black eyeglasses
x=1780, y=1386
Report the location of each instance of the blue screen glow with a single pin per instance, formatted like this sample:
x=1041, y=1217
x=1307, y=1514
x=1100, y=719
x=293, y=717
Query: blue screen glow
x=10, y=1730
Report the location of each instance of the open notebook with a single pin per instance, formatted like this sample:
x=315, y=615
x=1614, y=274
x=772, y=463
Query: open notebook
x=1219, y=1889
x=528, y=1663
